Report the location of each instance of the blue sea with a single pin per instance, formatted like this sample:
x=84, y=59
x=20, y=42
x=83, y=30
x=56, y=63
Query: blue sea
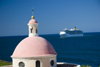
x=79, y=50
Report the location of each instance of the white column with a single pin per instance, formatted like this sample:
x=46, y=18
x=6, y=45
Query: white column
x=31, y=34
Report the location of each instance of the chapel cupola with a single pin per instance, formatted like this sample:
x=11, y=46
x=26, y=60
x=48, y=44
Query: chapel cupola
x=33, y=27
x=34, y=51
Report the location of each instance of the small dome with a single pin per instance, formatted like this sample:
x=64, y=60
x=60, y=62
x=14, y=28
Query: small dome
x=34, y=47
x=32, y=21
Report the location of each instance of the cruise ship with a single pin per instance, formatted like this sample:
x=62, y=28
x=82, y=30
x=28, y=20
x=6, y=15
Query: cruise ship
x=71, y=33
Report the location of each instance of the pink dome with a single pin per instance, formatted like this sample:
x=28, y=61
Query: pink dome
x=32, y=21
x=34, y=47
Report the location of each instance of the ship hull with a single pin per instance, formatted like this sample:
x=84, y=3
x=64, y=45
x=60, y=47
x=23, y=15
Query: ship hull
x=70, y=35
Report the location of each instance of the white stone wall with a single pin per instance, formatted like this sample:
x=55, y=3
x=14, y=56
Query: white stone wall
x=31, y=62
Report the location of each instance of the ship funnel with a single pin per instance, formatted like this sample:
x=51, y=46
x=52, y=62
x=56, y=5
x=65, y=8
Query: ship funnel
x=74, y=28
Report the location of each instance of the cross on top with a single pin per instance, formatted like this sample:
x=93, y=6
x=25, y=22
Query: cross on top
x=32, y=11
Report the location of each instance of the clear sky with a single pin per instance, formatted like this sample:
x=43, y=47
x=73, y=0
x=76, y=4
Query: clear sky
x=52, y=15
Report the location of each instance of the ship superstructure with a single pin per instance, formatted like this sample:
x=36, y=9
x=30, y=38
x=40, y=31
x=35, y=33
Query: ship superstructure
x=71, y=33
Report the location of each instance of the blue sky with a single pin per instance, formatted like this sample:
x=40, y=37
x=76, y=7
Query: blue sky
x=52, y=15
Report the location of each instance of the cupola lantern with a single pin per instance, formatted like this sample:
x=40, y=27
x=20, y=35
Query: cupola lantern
x=33, y=27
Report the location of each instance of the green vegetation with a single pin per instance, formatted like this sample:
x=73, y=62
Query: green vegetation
x=3, y=63
x=85, y=65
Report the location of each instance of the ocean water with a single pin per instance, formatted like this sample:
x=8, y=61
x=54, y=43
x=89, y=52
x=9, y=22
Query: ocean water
x=79, y=50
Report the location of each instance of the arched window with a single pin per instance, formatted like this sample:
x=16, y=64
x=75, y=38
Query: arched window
x=52, y=62
x=37, y=63
x=21, y=64
x=31, y=29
